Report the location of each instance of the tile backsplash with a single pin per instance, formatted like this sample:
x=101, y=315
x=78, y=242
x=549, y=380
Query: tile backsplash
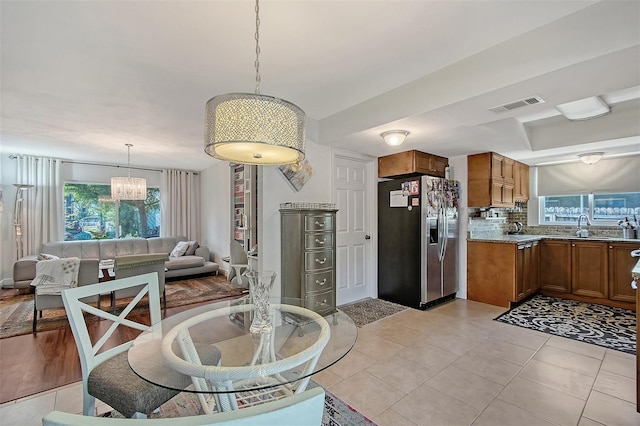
x=489, y=223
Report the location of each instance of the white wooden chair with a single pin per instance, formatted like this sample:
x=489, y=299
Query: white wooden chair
x=238, y=265
x=303, y=409
x=233, y=388
x=106, y=373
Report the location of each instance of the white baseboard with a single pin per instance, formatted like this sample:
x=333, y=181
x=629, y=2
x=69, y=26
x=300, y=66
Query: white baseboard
x=6, y=283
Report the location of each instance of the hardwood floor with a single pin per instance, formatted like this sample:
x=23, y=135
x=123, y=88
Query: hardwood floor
x=34, y=363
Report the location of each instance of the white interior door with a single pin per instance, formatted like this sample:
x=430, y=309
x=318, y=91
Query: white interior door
x=353, y=232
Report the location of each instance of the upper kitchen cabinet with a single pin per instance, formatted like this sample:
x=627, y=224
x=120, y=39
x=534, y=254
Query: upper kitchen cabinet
x=411, y=163
x=491, y=180
x=521, y=182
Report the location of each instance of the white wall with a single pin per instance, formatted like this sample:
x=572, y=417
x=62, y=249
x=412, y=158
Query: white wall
x=273, y=190
x=215, y=213
x=459, y=171
x=7, y=246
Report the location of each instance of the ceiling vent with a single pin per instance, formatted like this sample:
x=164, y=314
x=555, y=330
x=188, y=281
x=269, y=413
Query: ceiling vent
x=517, y=104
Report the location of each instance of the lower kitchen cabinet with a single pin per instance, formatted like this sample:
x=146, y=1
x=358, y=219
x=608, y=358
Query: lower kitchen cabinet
x=501, y=274
x=620, y=263
x=527, y=269
x=589, y=269
x=555, y=266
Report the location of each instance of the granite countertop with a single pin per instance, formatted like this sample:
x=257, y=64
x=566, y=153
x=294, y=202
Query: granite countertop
x=524, y=238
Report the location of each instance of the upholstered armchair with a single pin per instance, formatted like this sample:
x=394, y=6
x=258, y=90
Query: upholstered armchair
x=87, y=274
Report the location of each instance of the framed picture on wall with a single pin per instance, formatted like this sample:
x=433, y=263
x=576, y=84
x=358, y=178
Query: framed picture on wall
x=297, y=178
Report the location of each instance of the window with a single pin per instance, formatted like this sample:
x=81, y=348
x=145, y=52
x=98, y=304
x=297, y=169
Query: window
x=90, y=214
x=602, y=209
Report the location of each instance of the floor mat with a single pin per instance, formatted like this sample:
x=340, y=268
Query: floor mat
x=613, y=328
x=370, y=310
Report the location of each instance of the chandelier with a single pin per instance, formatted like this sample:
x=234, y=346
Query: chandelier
x=252, y=128
x=128, y=188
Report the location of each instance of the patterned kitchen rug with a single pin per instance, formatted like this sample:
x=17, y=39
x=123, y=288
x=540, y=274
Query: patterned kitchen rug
x=613, y=328
x=370, y=310
x=336, y=411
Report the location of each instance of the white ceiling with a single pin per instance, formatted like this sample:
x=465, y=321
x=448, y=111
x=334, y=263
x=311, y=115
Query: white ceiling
x=80, y=79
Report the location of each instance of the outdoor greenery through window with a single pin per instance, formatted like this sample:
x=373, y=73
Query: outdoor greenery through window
x=90, y=214
x=602, y=209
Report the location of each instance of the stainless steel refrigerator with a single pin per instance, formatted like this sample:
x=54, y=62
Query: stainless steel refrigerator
x=417, y=240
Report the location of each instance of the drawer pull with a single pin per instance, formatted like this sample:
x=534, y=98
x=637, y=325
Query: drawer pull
x=324, y=240
x=324, y=259
x=323, y=282
x=320, y=224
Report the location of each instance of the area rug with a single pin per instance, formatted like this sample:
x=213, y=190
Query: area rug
x=336, y=411
x=612, y=328
x=370, y=310
x=16, y=311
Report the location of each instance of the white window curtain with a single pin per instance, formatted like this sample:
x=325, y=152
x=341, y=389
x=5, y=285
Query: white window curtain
x=42, y=208
x=180, y=204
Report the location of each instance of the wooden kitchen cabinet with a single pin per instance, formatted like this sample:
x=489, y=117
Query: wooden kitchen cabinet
x=501, y=274
x=521, y=182
x=589, y=269
x=620, y=265
x=527, y=268
x=491, y=180
x=411, y=163
x=555, y=266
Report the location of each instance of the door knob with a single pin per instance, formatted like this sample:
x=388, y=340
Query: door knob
x=367, y=237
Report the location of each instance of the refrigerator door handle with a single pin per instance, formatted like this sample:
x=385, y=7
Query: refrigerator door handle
x=446, y=234
x=441, y=234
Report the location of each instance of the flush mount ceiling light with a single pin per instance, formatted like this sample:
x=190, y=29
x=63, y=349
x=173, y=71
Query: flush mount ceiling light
x=128, y=188
x=252, y=128
x=394, y=137
x=591, y=157
x=584, y=109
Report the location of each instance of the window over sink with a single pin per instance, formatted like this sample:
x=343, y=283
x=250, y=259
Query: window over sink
x=602, y=209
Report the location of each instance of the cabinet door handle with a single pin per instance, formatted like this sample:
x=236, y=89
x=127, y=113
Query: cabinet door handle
x=324, y=240
x=321, y=283
x=320, y=224
x=321, y=261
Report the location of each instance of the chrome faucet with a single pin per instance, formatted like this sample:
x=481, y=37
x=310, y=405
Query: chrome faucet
x=583, y=233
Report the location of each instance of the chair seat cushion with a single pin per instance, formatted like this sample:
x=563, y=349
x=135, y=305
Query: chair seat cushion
x=115, y=383
x=183, y=262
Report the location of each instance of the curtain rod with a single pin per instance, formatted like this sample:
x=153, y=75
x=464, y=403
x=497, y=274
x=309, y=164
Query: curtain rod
x=13, y=157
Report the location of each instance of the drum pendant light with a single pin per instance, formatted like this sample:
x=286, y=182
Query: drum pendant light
x=251, y=128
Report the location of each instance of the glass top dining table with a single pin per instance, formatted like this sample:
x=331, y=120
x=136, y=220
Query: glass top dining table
x=224, y=326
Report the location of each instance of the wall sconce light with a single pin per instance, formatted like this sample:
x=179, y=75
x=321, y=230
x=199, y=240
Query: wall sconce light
x=591, y=157
x=394, y=137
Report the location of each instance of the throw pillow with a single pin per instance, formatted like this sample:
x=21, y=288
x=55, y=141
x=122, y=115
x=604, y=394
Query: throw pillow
x=193, y=245
x=45, y=256
x=180, y=249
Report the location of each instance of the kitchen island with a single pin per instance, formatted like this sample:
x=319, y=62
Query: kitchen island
x=507, y=269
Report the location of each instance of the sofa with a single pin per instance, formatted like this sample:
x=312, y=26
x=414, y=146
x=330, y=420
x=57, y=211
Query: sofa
x=24, y=270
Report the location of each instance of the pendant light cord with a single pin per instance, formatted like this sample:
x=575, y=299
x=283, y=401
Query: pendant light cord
x=257, y=37
x=129, y=158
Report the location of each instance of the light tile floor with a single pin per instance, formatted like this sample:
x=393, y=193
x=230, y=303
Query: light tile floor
x=451, y=365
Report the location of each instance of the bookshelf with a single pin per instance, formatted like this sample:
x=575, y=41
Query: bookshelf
x=244, y=204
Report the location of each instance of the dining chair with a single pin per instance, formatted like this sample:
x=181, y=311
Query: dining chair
x=106, y=373
x=303, y=409
x=232, y=388
x=139, y=264
x=238, y=265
